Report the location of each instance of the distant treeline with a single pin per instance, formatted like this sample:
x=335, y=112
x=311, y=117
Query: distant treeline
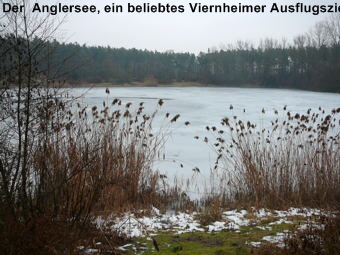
x=311, y=61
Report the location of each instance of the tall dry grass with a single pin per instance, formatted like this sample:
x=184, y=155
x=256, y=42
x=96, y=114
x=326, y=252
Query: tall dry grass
x=102, y=160
x=295, y=161
x=82, y=161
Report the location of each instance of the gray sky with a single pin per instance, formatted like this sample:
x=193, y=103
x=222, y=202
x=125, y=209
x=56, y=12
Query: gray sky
x=183, y=32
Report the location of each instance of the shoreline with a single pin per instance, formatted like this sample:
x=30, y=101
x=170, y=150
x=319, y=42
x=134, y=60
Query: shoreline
x=184, y=85
x=175, y=84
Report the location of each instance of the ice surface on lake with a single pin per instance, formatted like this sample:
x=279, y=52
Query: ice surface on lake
x=204, y=106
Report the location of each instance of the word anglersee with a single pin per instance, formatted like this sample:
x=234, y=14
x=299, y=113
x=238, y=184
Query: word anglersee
x=51, y=9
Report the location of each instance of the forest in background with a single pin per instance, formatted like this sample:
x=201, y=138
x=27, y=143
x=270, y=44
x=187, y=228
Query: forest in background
x=310, y=61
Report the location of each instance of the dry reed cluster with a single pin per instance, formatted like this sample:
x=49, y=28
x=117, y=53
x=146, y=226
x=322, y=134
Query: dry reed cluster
x=295, y=161
x=82, y=161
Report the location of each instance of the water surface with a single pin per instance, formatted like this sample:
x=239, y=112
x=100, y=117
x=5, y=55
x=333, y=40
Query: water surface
x=204, y=106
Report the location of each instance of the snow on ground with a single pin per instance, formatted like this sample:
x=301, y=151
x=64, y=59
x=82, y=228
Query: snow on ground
x=304, y=212
x=217, y=226
x=255, y=244
x=278, y=239
x=237, y=218
x=132, y=226
x=261, y=213
x=281, y=221
x=264, y=227
x=311, y=225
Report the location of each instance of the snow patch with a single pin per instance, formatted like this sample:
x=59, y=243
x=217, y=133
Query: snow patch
x=262, y=213
x=255, y=244
x=278, y=239
x=132, y=226
x=281, y=221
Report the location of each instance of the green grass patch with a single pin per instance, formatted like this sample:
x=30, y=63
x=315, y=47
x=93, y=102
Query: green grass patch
x=200, y=243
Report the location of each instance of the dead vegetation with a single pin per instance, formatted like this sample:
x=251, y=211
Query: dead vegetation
x=292, y=162
x=320, y=237
x=82, y=162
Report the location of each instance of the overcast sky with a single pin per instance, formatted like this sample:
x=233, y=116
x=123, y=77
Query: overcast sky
x=183, y=32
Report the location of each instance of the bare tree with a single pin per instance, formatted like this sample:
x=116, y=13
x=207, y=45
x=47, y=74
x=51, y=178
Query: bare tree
x=300, y=41
x=318, y=35
x=333, y=29
x=25, y=90
x=268, y=44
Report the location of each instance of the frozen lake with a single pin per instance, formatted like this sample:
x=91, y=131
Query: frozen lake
x=204, y=106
